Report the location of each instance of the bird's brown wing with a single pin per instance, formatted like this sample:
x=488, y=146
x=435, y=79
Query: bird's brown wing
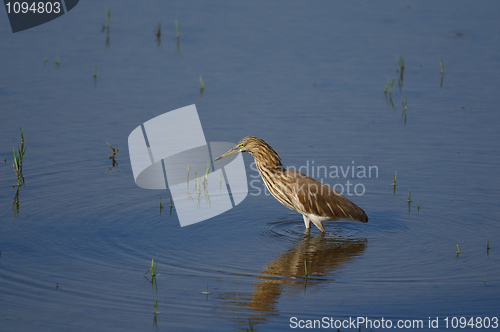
x=313, y=197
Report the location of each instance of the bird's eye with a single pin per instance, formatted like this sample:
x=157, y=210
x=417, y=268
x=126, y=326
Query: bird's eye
x=241, y=145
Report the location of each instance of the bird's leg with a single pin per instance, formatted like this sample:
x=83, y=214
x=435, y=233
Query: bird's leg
x=307, y=222
x=319, y=225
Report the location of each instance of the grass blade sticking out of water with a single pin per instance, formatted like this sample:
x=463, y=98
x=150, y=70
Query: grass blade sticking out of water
x=202, y=85
x=178, y=29
x=178, y=35
x=388, y=86
x=153, y=268
x=488, y=248
x=207, y=170
x=95, y=74
x=57, y=62
x=401, y=65
x=16, y=165
x=158, y=35
x=17, y=162
x=158, y=31
x=155, y=303
x=108, y=16
x=188, y=169
x=442, y=74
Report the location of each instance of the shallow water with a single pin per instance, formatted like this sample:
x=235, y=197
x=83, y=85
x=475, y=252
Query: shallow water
x=309, y=80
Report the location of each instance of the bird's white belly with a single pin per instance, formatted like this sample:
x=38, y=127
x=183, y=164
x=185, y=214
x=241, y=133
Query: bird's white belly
x=316, y=218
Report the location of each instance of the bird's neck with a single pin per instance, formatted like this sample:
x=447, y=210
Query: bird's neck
x=267, y=160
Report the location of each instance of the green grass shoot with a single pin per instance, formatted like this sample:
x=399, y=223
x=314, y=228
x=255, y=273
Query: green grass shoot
x=161, y=206
x=409, y=195
x=108, y=16
x=458, y=250
x=388, y=86
x=188, y=169
x=404, y=103
x=442, y=67
x=57, y=61
x=202, y=85
x=155, y=303
x=418, y=206
x=158, y=31
x=207, y=170
x=401, y=64
x=154, y=267
x=395, y=178
x=95, y=72
x=17, y=163
x=178, y=29
x=17, y=166
x=488, y=245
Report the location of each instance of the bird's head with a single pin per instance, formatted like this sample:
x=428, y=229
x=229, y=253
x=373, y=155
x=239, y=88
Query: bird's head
x=248, y=144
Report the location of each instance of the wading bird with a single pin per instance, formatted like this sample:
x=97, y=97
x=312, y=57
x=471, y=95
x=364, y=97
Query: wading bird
x=316, y=202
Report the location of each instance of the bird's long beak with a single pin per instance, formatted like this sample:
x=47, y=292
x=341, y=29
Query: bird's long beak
x=230, y=152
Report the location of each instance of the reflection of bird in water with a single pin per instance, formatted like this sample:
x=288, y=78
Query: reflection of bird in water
x=325, y=256
x=316, y=201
